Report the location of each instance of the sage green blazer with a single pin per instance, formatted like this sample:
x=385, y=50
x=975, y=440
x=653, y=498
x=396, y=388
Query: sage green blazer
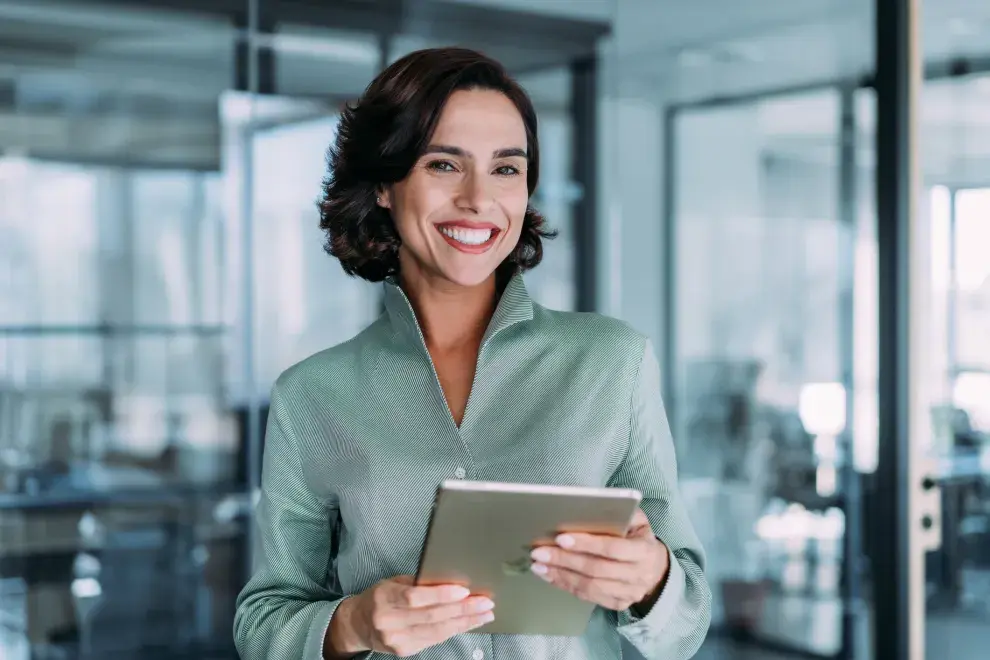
x=359, y=436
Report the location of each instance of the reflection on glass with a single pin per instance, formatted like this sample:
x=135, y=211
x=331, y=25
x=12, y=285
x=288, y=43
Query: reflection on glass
x=117, y=435
x=306, y=302
x=552, y=283
x=760, y=396
x=957, y=370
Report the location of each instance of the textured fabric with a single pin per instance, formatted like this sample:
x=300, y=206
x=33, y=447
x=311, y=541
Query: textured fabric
x=359, y=436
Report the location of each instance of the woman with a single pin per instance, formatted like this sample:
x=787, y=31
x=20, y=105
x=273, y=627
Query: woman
x=463, y=376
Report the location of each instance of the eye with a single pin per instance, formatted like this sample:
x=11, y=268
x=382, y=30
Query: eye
x=441, y=166
x=507, y=170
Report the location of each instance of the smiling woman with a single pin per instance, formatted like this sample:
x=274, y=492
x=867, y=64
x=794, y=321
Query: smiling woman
x=410, y=158
x=463, y=377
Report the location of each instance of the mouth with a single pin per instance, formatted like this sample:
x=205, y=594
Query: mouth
x=470, y=238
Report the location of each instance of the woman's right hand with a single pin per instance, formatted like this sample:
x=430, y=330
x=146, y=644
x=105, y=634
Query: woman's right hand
x=396, y=616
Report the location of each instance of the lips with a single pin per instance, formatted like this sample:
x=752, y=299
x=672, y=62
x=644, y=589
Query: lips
x=469, y=237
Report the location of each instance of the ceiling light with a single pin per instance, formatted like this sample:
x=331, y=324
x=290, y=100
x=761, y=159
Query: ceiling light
x=352, y=51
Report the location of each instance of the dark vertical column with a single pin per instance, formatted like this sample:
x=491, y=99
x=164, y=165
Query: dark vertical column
x=897, y=81
x=385, y=41
x=584, y=172
x=257, y=76
x=852, y=615
x=668, y=255
x=255, y=434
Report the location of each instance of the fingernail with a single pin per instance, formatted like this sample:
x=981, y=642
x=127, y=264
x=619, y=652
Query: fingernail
x=488, y=618
x=539, y=569
x=483, y=605
x=459, y=593
x=565, y=541
x=540, y=554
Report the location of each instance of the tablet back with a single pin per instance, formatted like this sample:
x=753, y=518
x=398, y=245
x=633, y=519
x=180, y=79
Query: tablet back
x=481, y=534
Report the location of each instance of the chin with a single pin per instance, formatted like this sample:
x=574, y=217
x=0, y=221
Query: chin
x=467, y=276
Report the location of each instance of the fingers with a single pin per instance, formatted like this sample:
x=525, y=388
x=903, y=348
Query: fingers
x=610, y=547
x=611, y=594
x=404, y=619
x=412, y=597
x=407, y=641
x=587, y=565
x=435, y=633
x=441, y=613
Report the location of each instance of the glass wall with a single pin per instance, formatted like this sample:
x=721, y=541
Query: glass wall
x=759, y=403
x=118, y=445
x=773, y=337
x=161, y=263
x=956, y=165
x=953, y=437
x=554, y=284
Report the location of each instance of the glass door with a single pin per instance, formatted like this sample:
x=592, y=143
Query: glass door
x=957, y=164
x=118, y=450
x=762, y=268
x=953, y=363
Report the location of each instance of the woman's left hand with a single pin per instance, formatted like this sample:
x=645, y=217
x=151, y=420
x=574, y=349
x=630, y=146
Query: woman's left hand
x=613, y=572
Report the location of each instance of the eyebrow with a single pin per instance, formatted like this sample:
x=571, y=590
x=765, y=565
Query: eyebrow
x=457, y=151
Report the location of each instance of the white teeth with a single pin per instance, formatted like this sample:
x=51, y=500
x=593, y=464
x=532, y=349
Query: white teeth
x=467, y=236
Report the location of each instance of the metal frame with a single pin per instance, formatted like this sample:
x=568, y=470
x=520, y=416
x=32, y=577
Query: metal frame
x=253, y=449
x=959, y=67
x=896, y=629
x=669, y=265
x=584, y=172
x=852, y=600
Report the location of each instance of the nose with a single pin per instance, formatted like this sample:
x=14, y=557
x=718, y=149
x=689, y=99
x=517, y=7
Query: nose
x=475, y=193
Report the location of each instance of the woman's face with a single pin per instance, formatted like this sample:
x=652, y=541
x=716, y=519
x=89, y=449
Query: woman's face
x=460, y=210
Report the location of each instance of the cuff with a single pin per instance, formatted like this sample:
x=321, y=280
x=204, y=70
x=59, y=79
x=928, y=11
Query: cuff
x=663, y=609
x=319, y=628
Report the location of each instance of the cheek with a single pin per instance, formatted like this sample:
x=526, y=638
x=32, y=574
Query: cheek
x=413, y=204
x=515, y=203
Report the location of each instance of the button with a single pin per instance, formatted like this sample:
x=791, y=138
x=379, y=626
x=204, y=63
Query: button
x=460, y=473
x=478, y=654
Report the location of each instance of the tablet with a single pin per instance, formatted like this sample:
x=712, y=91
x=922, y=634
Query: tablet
x=480, y=536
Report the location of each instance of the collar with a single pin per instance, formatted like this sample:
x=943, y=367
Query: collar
x=514, y=306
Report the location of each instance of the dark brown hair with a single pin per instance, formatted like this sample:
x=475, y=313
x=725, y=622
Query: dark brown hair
x=380, y=138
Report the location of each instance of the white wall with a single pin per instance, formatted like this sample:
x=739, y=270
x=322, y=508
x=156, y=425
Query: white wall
x=630, y=214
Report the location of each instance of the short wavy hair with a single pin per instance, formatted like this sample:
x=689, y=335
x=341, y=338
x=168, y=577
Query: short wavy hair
x=380, y=138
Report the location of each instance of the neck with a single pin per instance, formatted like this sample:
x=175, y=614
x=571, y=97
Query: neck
x=450, y=316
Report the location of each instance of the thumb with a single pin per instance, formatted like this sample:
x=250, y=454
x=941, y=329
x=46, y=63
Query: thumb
x=640, y=524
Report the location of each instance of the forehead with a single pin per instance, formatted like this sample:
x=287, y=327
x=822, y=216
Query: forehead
x=482, y=117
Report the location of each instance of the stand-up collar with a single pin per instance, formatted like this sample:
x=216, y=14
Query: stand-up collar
x=514, y=306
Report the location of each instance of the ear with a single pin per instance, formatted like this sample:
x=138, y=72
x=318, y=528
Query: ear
x=383, y=198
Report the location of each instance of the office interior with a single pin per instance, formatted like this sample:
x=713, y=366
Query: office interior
x=712, y=170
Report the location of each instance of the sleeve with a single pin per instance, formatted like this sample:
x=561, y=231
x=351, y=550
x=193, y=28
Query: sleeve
x=676, y=625
x=284, y=611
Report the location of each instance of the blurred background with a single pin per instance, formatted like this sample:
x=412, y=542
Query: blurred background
x=711, y=167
